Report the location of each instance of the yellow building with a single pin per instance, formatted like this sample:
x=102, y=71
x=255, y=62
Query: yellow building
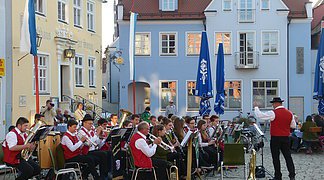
x=62, y=24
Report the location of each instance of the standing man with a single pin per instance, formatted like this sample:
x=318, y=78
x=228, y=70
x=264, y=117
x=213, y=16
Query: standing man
x=281, y=120
x=49, y=113
x=171, y=109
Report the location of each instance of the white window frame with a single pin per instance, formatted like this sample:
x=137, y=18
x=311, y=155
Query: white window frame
x=79, y=67
x=37, y=11
x=223, y=5
x=187, y=45
x=47, y=77
x=168, y=8
x=77, y=7
x=60, y=19
x=91, y=29
x=246, y=31
x=176, y=44
x=278, y=90
x=263, y=9
x=278, y=41
x=216, y=45
x=160, y=93
x=244, y=8
x=242, y=95
x=92, y=68
x=150, y=47
x=187, y=108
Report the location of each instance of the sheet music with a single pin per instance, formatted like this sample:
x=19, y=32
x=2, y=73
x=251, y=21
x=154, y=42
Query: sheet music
x=186, y=138
x=258, y=129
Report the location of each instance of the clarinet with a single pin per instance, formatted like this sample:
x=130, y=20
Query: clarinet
x=177, y=141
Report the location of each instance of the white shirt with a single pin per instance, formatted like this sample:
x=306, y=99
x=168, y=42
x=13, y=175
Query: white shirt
x=141, y=144
x=11, y=138
x=271, y=115
x=201, y=144
x=94, y=138
x=67, y=142
x=79, y=114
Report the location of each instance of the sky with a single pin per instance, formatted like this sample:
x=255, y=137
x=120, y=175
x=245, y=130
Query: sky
x=108, y=22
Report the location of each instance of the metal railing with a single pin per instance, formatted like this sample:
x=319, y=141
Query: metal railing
x=246, y=15
x=247, y=60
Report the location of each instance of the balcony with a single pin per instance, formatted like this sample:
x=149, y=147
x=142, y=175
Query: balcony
x=246, y=15
x=247, y=60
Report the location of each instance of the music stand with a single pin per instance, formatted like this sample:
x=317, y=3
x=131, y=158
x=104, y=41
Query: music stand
x=112, y=133
x=42, y=133
x=128, y=134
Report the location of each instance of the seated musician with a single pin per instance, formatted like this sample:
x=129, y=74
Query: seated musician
x=113, y=120
x=141, y=151
x=135, y=119
x=153, y=121
x=207, y=144
x=91, y=147
x=178, y=129
x=190, y=124
x=12, y=147
x=127, y=124
x=103, y=123
x=72, y=149
x=214, y=122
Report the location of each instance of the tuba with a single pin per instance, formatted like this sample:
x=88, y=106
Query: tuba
x=125, y=114
x=252, y=166
x=174, y=172
x=27, y=153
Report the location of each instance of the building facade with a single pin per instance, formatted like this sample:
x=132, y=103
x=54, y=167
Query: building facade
x=63, y=25
x=256, y=41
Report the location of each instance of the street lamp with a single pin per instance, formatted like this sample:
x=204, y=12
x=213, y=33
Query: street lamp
x=39, y=40
x=69, y=53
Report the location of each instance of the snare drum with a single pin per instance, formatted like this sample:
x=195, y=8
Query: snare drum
x=50, y=142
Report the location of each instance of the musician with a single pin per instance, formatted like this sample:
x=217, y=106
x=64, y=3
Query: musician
x=127, y=124
x=214, y=122
x=72, y=147
x=79, y=113
x=153, y=121
x=178, y=129
x=113, y=120
x=39, y=117
x=103, y=145
x=281, y=120
x=190, y=124
x=141, y=151
x=135, y=119
x=89, y=149
x=207, y=144
x=12, y=147
x=48, y=112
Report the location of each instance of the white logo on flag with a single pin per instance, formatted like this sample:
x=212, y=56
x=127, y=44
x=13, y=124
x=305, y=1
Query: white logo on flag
x=203, y=70
x=321, y=66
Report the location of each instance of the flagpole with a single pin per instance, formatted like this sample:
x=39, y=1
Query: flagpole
x=133, y=54
x=36, y=83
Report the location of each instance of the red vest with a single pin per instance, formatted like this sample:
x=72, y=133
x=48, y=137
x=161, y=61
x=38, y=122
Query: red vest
x=280, y=126
x=12, y=157
x=68, y=154
x=85, y=149
x=140, y=159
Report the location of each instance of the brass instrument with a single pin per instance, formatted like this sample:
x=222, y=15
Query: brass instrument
x=174, y=172
x=163, y=145
x=125, y=114
x=252, y=165
x=88, y=140
x=27, y=153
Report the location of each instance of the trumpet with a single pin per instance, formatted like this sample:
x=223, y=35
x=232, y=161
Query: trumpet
x=163, y=145
x=88, y=140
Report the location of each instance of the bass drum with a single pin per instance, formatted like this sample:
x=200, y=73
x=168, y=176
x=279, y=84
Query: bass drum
x=50, y=142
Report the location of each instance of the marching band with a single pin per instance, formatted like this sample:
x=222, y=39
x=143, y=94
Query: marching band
x=155, y=145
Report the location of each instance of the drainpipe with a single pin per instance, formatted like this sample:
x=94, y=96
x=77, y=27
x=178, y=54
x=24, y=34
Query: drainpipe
x=288, y=62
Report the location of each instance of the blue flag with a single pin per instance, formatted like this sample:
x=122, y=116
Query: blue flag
x=220, y=80
x=319, y=80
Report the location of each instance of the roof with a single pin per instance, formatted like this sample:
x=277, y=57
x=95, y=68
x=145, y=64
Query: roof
x=318, y=15
x=149, y=10
x=192, y=9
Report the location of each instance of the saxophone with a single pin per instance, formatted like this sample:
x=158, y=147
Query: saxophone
x=252, y=166
x=27, y=153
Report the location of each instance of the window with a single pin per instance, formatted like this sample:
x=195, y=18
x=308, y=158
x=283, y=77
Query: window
x=78, y=60
x=43, y=74
x=168, y=91
x=192, y=100
x=263, y=92
x=168, y=44
x=92, y=70
x=39, y=6
x=143, y=44
x=265, y=4
x=246, y=11
x=233, y=98
x=168, y=5
x=90, y=16
x=227, y=5
x=225, y=38
x=270, y=42
x=193, y=44
x=247, y=56
x=77, y=12
x=61, y=10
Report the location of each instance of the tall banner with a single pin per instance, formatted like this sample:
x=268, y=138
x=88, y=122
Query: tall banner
x=132, y=30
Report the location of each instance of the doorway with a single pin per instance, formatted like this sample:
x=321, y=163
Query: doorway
x=66, y=81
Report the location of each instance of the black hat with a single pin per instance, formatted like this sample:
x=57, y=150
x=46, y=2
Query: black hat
x=276, y=99
x=87, y=117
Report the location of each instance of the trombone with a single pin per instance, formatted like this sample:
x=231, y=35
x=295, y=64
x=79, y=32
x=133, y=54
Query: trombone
x=163, y=145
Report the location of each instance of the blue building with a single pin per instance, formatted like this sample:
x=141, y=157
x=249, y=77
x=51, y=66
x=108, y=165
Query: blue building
x=257, y=37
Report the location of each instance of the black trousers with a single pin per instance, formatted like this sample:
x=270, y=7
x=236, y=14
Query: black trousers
x=277, y=144
x=27, y=169
x=88, y=160
x=100, y=157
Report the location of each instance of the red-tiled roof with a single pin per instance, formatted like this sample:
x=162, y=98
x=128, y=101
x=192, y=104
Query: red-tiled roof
x=318, y=15
x=149, y=9
x=192, y=9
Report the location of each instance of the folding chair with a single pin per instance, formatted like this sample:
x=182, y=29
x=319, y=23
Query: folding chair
x=60, y=171
x=234, y=155
x=4, y=167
